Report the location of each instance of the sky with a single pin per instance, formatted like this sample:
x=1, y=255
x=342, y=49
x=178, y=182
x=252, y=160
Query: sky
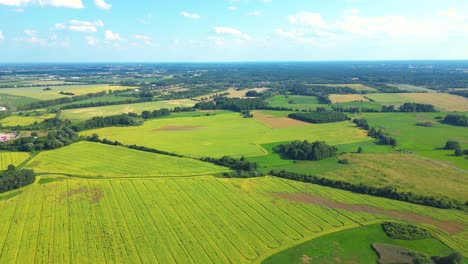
x=232, y=30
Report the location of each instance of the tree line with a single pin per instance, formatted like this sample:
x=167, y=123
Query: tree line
x=456, y=120
x=377, y=134
x=415, y=107
x=319, y=117
x=54, y=139
x=232, y=104
x=14, y=179
x=304, y=150
x=386, y=192
x=242, y=167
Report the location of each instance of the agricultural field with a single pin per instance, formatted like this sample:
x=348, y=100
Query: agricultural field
x=208, y=220
x=355, y=86
x=231, y=93
x=11, y=101
x=227, y=134
x=16, y=120
x=395, y=99
x=90, y=112
x=353, y=245
x=361, y=105
x=85, y=159
x=15, y=158
x=295, y=102
x=442, y=101
x=423, y=141
x=39, y=93
x=412, y=88
x=106, y=98
x=344, y=98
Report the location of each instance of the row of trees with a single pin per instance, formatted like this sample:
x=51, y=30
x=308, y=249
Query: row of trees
x=54, y=139
x=386, y=192
x=242, y=168
x=63, y=100
x=456, y=120
x=415, y=107
x=105, y=103
x=304, y=150
x=232, y=104
x=14, y=179
x=377, y=134
x=319, y=117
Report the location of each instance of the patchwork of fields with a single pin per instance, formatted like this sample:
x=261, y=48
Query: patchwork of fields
x=40, y=94
x=90, y=112
x=295, y=102
x=15, y=158
x=227, y=134
x=355, y=86
x=209, y=220
x=85, y=159
x=344, y=98
x=442, y=101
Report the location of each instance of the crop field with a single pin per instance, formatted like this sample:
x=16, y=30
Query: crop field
x=276, y=121
x=231, y=93
x=227, y=134
x=40, y=94
x=423, y=141
x=353, y=245
x=355, y=86
x=395, y=99
x=404, y=171
x=24, y=120
x=86, y=159
x=344, y=98
x=412, y=88
x=90, y=112
x=106, y=98
x=361, y=105
x=295, y=102
x=15, y=158
x=206, y=220
x=444, y=101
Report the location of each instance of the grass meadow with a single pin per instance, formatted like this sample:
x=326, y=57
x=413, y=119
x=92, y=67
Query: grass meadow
x=86, y=159
x=295, y=102
x=16, y=120
x=181, y=220
x=90, y=112
x=227, y=134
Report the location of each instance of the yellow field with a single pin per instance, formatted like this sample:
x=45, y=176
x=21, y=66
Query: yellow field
x=39, y=93
x=233, y=93
x=15, y=158
x=344, y=98
x=24, y=120
x=444, y=101
x=355, y=86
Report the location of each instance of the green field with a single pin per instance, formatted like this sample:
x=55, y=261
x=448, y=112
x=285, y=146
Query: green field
x=227, y=134
x=412, y=88
x=353, y=246
x=16, y=120
x=355, y=86
x=90, y=112
x=181, y=220
x=15, y=158
x=40, y=94
x=95, y=159
x=423, y=141
x=295, y=102
x=360, y=105
x=106, y=98
x=12, y=101
x=388, y=98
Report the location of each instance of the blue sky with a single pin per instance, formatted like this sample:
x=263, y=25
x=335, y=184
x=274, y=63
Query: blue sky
x=231, y=30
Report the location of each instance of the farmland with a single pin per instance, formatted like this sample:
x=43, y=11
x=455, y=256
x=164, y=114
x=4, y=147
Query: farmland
x=355, y=86
x=444, y=101
x=84, y=159
x=87, y=113
x=24, y=120
x=206, y=135
x=295, y=102
x=344, y=98
x=174, y=219
x=15, y=158
x=412, y=88
x=40, y=94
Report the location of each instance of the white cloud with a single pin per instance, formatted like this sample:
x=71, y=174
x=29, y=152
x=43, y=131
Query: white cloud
x=55, y=3
x=307, y=19
x=101, y=4
x=255, y=13
x=111, y=36
x=452, y=13
x=91, y=40
x=2, y=37
x=80, y=26
x=231, y=31
x=233, y=8
x=146, y=40
x=218, y=41
x=31, y=37
x=190, y=15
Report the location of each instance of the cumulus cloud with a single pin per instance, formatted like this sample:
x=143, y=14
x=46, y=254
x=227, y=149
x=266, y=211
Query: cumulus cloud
x=32, y=37
x=91, y=40
x=2, y=37
x=232, y=32
x=190, y=15
x=233, y=8
x=80, y=26
x=111, y=36
x=101, y=4
x=55, y=3
x=145, y=40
